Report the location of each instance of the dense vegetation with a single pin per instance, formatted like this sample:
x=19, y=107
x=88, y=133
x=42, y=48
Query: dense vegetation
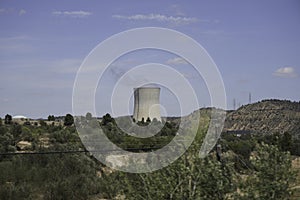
x=250, y=167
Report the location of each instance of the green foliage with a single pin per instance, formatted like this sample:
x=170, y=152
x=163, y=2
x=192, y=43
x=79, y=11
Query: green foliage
x=194, y=178
x=187, y=178
x=7, y=119
x=69, y=176
x=286, y=142
x=16, y=130
x=7, y=141
x=43, y=123
x=242, y=147
x=272, y=177
x=27, y=134
x=69, y=120
x=264, y=173
x=107, y=119
x=64, y=136
x=3, y=130
x=51, y=118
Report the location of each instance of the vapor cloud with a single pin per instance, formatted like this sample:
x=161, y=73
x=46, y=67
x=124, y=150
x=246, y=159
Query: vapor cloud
x=75, y=14
x=288, y=72
x=159, y=18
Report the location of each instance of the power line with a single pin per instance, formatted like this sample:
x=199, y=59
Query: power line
x=41, y=153
x=77, y=151
x=237, y=155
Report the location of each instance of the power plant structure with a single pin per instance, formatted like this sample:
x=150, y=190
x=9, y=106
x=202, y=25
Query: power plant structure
x=146, y=103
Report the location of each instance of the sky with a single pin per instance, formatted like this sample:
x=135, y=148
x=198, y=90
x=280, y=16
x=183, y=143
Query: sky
x=255, y=45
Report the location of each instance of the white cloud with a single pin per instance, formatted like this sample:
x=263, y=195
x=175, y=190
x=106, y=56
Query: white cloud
x=159, y=18
x=22, y=12
x=288, y=72
x=75, y=14
x=177, y=61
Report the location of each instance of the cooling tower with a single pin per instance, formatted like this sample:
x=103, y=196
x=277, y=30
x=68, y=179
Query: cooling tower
x=146, y=103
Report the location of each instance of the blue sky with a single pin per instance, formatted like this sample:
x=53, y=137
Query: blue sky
x=255, y=45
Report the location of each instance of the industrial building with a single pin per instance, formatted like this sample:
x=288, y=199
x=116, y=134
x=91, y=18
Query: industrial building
x=146, y=103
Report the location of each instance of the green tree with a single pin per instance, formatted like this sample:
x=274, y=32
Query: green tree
x=69, y=120
x=107, y=119
x=16, y=130
x=190, y=177
x=272, y=177
x=51, y=118
x=6, y=140
x=0, y=121
x=286, y=142
x=7, y=119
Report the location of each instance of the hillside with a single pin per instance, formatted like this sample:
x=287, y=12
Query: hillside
x=48, y=161
x=267, y=116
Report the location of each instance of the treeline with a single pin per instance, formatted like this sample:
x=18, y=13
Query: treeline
x=116, y=130
x=249, y=167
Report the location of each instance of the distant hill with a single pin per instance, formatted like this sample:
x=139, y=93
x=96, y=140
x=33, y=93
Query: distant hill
x=266, y=117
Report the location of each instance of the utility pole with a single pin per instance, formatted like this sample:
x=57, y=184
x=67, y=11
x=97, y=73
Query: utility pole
x=234, y=104
x=249, y=97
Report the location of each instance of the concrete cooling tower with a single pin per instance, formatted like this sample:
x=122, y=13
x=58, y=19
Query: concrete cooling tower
x=146, y=103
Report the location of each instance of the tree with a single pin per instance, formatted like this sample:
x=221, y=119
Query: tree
x=16, y=130
x=272, y=175
x=51, y=118
x=190, y=177
x=107, y=119
x=69, y=120
x=88, y=116
x=0, y=121
x=7, y=119
x=148, y=120
x=286, y=142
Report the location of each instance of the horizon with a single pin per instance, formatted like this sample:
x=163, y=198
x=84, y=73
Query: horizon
x=163, y=116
